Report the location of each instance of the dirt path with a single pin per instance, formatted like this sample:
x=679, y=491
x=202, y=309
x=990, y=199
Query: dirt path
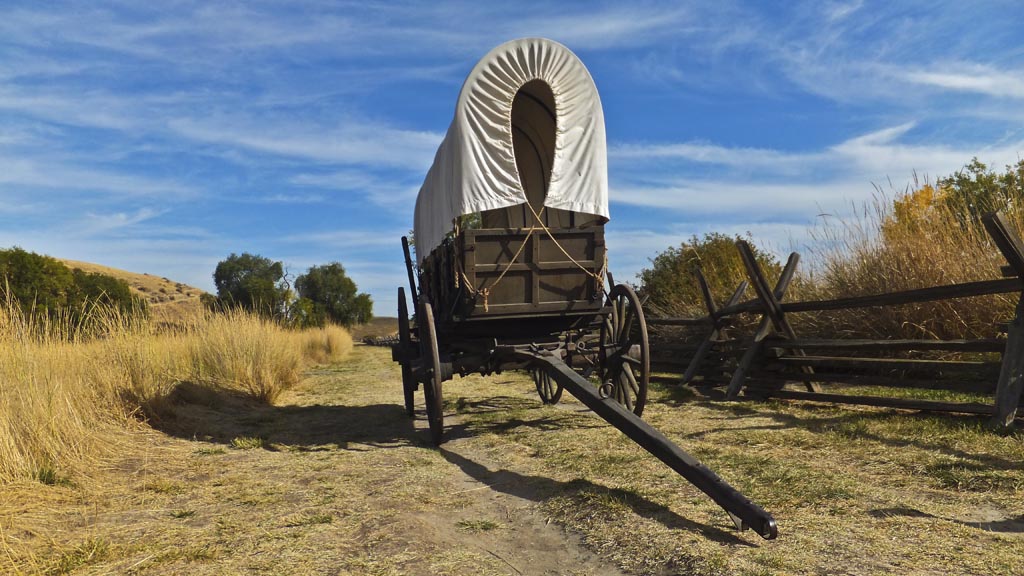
x=335, y=479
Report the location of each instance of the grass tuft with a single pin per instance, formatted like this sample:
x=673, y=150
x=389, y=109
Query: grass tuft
x=309, y=520
x=51, y=477
x=474, y=526
x=89, y=552
x=246, y=443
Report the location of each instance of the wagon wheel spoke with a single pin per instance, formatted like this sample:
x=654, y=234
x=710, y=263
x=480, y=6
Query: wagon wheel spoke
x=548, y=389
x=632, y=380
x=627, y=323
x=624, y=330
x=626, y=399
x=627, y=358
x=614, y=321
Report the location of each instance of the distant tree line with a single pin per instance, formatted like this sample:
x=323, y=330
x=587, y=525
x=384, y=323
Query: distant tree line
x=323, y=294
x=44, y=285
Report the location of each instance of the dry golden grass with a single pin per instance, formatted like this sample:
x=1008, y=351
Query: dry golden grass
x=913, y=241
x=63, y=393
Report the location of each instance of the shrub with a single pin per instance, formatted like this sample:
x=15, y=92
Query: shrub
x=43, y=285
x=671, y=285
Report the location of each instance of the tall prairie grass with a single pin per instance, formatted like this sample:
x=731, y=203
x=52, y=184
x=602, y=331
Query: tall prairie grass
x=914, y=240
x=68, y=392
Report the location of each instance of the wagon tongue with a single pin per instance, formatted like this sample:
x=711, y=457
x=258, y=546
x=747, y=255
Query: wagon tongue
x=744, y=513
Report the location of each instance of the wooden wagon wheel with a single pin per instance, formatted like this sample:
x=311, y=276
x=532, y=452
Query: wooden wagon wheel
x=431, y=363
x=409, y=384
x=624, y=352
x=550, y=391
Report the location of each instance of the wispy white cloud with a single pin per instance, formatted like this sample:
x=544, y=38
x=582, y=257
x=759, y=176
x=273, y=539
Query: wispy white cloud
x=836, y=11
x=348, y=239
x=392, y=191
x=872, y=157
x=292, y=199
x=95, y=223
x=38, y=172
x=350, y=142
x=973, y=78
x=605, y=26
x=707, y=153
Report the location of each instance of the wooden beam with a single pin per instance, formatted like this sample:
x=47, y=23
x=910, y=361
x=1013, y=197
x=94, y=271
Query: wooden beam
x=980, y=345
x=886, y=363
x=705, y=321
x=903, y=403
x=965, y=290
x=716, y=329
x=759, y=377
x=1006, y=240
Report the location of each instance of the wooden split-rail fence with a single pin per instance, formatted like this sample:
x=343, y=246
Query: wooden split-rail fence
x=761, y=364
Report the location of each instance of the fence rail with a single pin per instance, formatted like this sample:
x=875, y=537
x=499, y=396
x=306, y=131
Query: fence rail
x=760, y=364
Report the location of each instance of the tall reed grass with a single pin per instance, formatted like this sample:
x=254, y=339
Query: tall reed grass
x=68, y=392
x=912, y=240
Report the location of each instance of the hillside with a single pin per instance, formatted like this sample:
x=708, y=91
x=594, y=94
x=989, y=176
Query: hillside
x=168, y=300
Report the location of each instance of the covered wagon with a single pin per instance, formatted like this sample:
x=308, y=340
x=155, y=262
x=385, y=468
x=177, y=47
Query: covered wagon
x=510, y=257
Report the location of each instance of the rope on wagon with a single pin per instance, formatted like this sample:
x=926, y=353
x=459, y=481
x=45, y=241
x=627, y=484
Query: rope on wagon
x=486, y=291
x=599, y=276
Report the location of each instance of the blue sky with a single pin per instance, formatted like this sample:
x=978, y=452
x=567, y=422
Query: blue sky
x=160, y=137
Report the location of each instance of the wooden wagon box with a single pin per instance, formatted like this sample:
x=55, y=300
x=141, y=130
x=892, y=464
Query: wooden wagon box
x=489, y=274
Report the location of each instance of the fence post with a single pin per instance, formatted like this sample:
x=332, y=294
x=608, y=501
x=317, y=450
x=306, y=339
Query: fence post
x=773, y=306
x=764, y=328
x=1011, y=375
x=717, y=325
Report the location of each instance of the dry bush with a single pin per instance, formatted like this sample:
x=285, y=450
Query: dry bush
x=331, y=343
x=241, y=351
x=52, y=410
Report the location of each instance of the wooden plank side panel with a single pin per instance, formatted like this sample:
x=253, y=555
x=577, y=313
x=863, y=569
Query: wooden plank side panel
x=527, y=273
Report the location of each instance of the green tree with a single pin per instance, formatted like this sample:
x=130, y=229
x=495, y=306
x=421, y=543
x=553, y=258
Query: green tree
x=333, y=296
x=976, y=189
x=92, y=287
x=670, y=283
x=49, y=287
x=36, y=281
x=252, y=282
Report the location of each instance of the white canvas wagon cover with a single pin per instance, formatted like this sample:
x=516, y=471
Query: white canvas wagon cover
x=475, y=166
